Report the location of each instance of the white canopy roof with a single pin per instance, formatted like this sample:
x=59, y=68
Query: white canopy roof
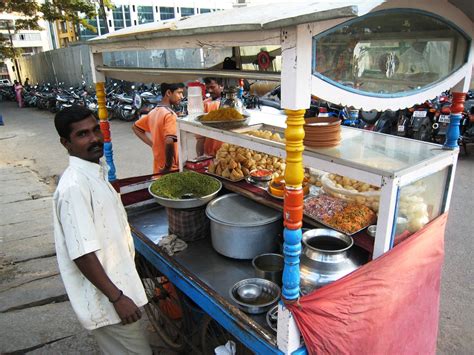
x=252, y=18
x=267, y=24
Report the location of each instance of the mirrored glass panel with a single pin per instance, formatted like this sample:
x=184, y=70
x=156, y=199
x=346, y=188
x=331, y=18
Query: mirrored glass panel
x=389, y=53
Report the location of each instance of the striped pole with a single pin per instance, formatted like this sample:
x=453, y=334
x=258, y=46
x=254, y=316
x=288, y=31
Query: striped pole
x=293, y=204
x=105, y=128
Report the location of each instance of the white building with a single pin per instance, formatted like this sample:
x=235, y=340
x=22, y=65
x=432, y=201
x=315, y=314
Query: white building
x=128, y=13
x=29, y=41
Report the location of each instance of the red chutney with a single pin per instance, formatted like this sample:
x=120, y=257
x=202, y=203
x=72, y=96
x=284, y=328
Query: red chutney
x=261, y=173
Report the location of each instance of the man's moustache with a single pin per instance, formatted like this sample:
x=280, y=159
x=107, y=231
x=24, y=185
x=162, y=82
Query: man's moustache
x=93, y=146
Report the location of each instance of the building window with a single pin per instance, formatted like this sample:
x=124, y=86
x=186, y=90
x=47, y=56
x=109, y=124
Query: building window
x=84, y=33
x=145, y=14
x=27, y=37
x=204, y=11
x=127, y=15
x=166, y=13
x=187, y=11
x=118, y=18
x=102, y=27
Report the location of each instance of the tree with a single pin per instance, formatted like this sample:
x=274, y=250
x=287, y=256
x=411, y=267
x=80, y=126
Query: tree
x=32, y=12
x=104, y=4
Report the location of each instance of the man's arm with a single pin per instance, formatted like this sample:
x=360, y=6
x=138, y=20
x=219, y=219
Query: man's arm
x=169, y=152
x=142, y=135
x=92, y=269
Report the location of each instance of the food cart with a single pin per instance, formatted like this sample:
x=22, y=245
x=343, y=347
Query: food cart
x=366, y=54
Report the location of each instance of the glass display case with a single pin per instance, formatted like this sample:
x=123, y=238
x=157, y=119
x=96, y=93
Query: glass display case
x=411, y=178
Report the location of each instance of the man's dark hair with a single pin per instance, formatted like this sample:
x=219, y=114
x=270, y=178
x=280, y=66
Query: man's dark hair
x=164, y=87
x=69, y=115
x=208, y=81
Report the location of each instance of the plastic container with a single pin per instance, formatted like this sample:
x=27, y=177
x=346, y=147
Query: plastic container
x=195, y=104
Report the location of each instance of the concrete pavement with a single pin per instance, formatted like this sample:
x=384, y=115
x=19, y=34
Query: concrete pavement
x=34, y=315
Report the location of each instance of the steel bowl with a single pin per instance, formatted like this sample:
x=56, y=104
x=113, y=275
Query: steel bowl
x=269, y=295
x=272, y=318
x=269, y=267
x=249, y=292
x=264, y=178
x=371, y=230
x=188, y=201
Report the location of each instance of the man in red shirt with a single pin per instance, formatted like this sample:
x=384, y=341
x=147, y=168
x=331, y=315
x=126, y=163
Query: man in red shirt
x=214, y=87
x=160, y=123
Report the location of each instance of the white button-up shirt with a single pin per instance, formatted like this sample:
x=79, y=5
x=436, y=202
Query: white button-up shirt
x=89, y=217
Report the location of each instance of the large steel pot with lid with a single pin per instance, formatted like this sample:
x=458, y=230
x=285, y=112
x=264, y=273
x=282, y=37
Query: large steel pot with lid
x=242, y=228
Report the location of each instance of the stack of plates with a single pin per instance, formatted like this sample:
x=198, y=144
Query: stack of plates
x=322, y=132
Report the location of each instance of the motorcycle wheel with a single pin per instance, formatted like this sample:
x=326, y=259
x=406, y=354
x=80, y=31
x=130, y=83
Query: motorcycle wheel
x=424, y=133
x=370, y=117
x=127, y=116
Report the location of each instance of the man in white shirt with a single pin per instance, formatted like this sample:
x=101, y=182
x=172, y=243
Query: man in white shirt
x=93, y=241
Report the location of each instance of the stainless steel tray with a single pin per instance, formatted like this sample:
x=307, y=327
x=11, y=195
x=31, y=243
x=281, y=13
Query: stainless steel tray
x=225, y=124
x=262, y=127
x=320, y=221
x=221, y=177
x=331, y=227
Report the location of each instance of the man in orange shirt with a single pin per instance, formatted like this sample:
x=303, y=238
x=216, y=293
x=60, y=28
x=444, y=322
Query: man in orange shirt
x=160, y=123
x=214, y=87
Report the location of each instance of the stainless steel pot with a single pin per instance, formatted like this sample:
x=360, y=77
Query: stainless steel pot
x=242, y=228
x=269, y=267
x=327, y=256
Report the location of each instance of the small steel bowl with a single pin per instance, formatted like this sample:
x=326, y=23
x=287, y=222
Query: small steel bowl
x=371, y=230
x=249, y=292
x=269, y=266
x=270, y=294
x=263, y=178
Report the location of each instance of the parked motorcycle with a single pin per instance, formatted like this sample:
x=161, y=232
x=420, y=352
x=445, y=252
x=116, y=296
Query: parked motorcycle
x=420, y=126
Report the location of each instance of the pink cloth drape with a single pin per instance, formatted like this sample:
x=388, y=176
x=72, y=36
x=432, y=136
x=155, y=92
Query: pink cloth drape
x=388, y=306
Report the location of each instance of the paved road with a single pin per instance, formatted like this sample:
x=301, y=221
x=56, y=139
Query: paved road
x=29, y=144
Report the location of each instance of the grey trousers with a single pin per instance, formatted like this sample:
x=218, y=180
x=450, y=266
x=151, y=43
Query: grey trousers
x=118, y=339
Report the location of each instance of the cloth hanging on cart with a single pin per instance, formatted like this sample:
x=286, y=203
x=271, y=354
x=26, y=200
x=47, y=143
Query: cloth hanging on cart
x=388, y=306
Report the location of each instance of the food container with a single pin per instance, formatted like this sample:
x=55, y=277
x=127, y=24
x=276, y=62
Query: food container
x=277, y=187
x=372, y=230
x=261, y=175
x=322, y=132
x=242, y=228
x=327, y=256
x=188, y=198
x=269, y=267
x=269, y=295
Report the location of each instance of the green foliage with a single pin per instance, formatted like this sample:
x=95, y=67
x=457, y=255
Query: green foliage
x=32, y=11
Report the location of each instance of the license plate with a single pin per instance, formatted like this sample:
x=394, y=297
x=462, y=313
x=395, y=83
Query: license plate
x=444, y=119
x=419, y=114
x=401, y=128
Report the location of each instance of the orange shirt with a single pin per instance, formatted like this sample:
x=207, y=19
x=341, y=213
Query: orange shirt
x=160, y=123
x=211, y=146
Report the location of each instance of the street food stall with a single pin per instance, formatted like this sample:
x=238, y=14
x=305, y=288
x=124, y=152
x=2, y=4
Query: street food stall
x=371, y=55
